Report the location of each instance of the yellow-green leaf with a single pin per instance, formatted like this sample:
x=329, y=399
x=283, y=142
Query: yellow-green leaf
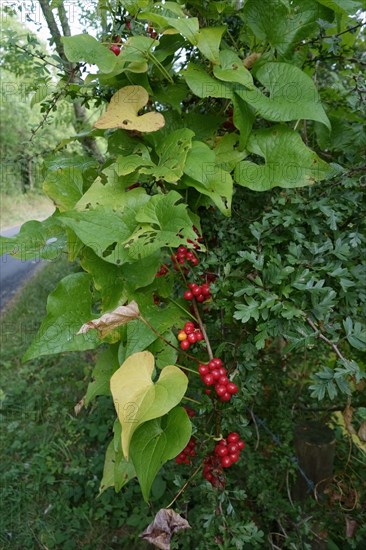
x=138, y=399
x=122, y=112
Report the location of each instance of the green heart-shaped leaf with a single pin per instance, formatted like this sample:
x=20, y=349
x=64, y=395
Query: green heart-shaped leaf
x=137, y=399
x=156, y=442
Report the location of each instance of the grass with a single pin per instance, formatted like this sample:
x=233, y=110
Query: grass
x=16, y=209
x=51, y=460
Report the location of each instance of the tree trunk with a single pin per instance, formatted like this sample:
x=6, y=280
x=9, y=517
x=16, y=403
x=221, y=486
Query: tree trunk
x=89, y=144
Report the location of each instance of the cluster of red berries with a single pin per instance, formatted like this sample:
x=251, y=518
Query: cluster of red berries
x=228, y=450
x=188, y=452
x=225, y=454
x=200, y=292
x=184, y=254
x=189, y=335
x=213, y=472
x=162, y=271
x=214, y=374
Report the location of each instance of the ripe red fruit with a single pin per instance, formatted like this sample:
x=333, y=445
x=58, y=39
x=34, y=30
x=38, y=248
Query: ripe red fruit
x=220, y=450
x=226, y=397
x=115, y=49
x=220, y=390
x=200, y=298
x=241, y=445
x=226, y=461
x=192, y=338
x=196, y=291
x=194, y=262
x=233, y=437
x=232, y=448
x=234, y=457
x=199, y=335
x=232, y=388
x=223, y=380
x=203, y=369
x=189, y=327
x=208, y=379
x=188, y=295
x=185, y=345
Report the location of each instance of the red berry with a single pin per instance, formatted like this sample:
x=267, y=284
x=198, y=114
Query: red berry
x=115, y=49
x=208, y=380
x=241, y=445
x=185, y=345
x=194, y=262
x=223, y=380
x=200, y=298
x=207, y=391
x=182, y=250
x=220, y=390
x=220, y=450
x=190, y=255
x=205, y=289
x=217, y=362
x=196, y=291
x=199, y=335
x=208, y=476
x=233, y=448
x=188, y=295
x=192, y=338
x=233, y=437
x=225, y=397
x=234, y=457
x=222, y=370
x=232, y=388
x=226, y=461
x=203, y=369
x=189, y=328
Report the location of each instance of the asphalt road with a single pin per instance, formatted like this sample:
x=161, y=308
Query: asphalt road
x=13, y=273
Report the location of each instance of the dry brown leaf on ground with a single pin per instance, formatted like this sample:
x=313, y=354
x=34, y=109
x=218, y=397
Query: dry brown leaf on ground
x=165, y=524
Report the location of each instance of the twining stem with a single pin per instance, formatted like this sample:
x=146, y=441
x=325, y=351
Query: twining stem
x=185, y=398
x=185, y=486
x=203, y=330
x=188, y=313
x=167, y=341
x=188, y=369
x=321, y=336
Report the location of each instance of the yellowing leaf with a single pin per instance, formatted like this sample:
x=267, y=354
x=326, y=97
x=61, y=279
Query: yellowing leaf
x=122, y=112
x=109, y=321
x=137, y=399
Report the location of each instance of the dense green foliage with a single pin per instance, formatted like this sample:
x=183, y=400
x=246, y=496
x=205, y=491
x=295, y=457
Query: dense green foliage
x=235, y=134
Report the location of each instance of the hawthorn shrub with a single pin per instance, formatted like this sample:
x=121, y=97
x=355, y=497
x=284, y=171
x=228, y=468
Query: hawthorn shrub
x=221, y=253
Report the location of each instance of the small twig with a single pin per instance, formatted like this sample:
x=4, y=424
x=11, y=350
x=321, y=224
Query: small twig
x=203, y=330
x=321, y=336
x=256, y=429
x=192, y=400
x=188, y=369
x=182, y=489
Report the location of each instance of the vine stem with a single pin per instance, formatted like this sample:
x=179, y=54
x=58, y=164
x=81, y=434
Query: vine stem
x=203, y=330
x=321, y=336
x=191, y=400
x=182, y=489
x=167, y=341
x=188, y=369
